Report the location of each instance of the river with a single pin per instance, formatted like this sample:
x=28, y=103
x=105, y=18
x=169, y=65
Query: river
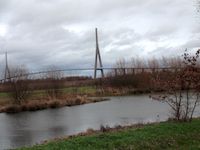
x=28, y=128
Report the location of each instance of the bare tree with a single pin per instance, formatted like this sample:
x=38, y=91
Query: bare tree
x=182, y=88
x=121, y=64
x=153, y=63
x=18, y=84
x=55, y=83
x=138, y=62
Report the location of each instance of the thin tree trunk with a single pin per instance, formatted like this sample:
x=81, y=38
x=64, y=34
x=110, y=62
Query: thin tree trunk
x=195, y=104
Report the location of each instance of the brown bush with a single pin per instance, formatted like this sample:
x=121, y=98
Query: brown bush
x=181, y=89
x=18, y=84
x=55, y=83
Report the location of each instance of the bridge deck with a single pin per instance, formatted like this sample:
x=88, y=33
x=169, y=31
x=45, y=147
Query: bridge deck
x=91, y=69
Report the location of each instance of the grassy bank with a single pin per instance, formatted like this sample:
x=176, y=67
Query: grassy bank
x=84, y=90
x=68, y=90
x=70, y=96
x=167, y=135
x=39, y=99
x=46, y=103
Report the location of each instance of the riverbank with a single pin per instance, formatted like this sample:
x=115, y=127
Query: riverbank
x=165, y=135
x=70, y=96
x=34, y=105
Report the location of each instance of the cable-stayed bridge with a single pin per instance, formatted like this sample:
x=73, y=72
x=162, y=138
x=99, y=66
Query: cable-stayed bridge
x=98, y=66
x=111, y=71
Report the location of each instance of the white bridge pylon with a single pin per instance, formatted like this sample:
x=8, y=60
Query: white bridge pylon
x=98, y=58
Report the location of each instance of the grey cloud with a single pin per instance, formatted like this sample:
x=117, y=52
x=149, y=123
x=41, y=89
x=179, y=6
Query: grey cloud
x=3, y=6
x=164, y=31
x=61, y=32
x=167, y=52
x=194, y=43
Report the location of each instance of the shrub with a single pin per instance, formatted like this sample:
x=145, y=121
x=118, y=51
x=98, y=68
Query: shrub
x=18, y=84
x=181, y=90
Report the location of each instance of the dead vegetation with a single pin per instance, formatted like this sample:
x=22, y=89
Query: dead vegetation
x=181, y=90
x=33, y=105
x=133, y=76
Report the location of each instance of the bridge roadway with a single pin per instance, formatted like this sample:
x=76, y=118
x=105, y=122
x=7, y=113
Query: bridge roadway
x=124, y=69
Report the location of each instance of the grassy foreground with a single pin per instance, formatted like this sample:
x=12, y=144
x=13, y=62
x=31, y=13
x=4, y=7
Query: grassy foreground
x=167, y=135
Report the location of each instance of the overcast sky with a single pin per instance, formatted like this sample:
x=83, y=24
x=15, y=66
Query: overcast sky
x=40, y=33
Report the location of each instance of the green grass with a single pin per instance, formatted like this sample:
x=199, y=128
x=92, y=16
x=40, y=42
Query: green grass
x=80, y=90
x=168, y=135
x=3, y=94
x=68, y=90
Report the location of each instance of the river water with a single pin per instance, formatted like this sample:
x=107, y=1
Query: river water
x=28, y=128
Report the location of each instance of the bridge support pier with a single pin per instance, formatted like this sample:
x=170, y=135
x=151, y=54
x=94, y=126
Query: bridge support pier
x=98, y=58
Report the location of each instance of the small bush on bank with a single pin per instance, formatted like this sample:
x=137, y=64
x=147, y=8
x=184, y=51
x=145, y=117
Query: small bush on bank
x=18, y=84
x=181, y=90
x=55, y=82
